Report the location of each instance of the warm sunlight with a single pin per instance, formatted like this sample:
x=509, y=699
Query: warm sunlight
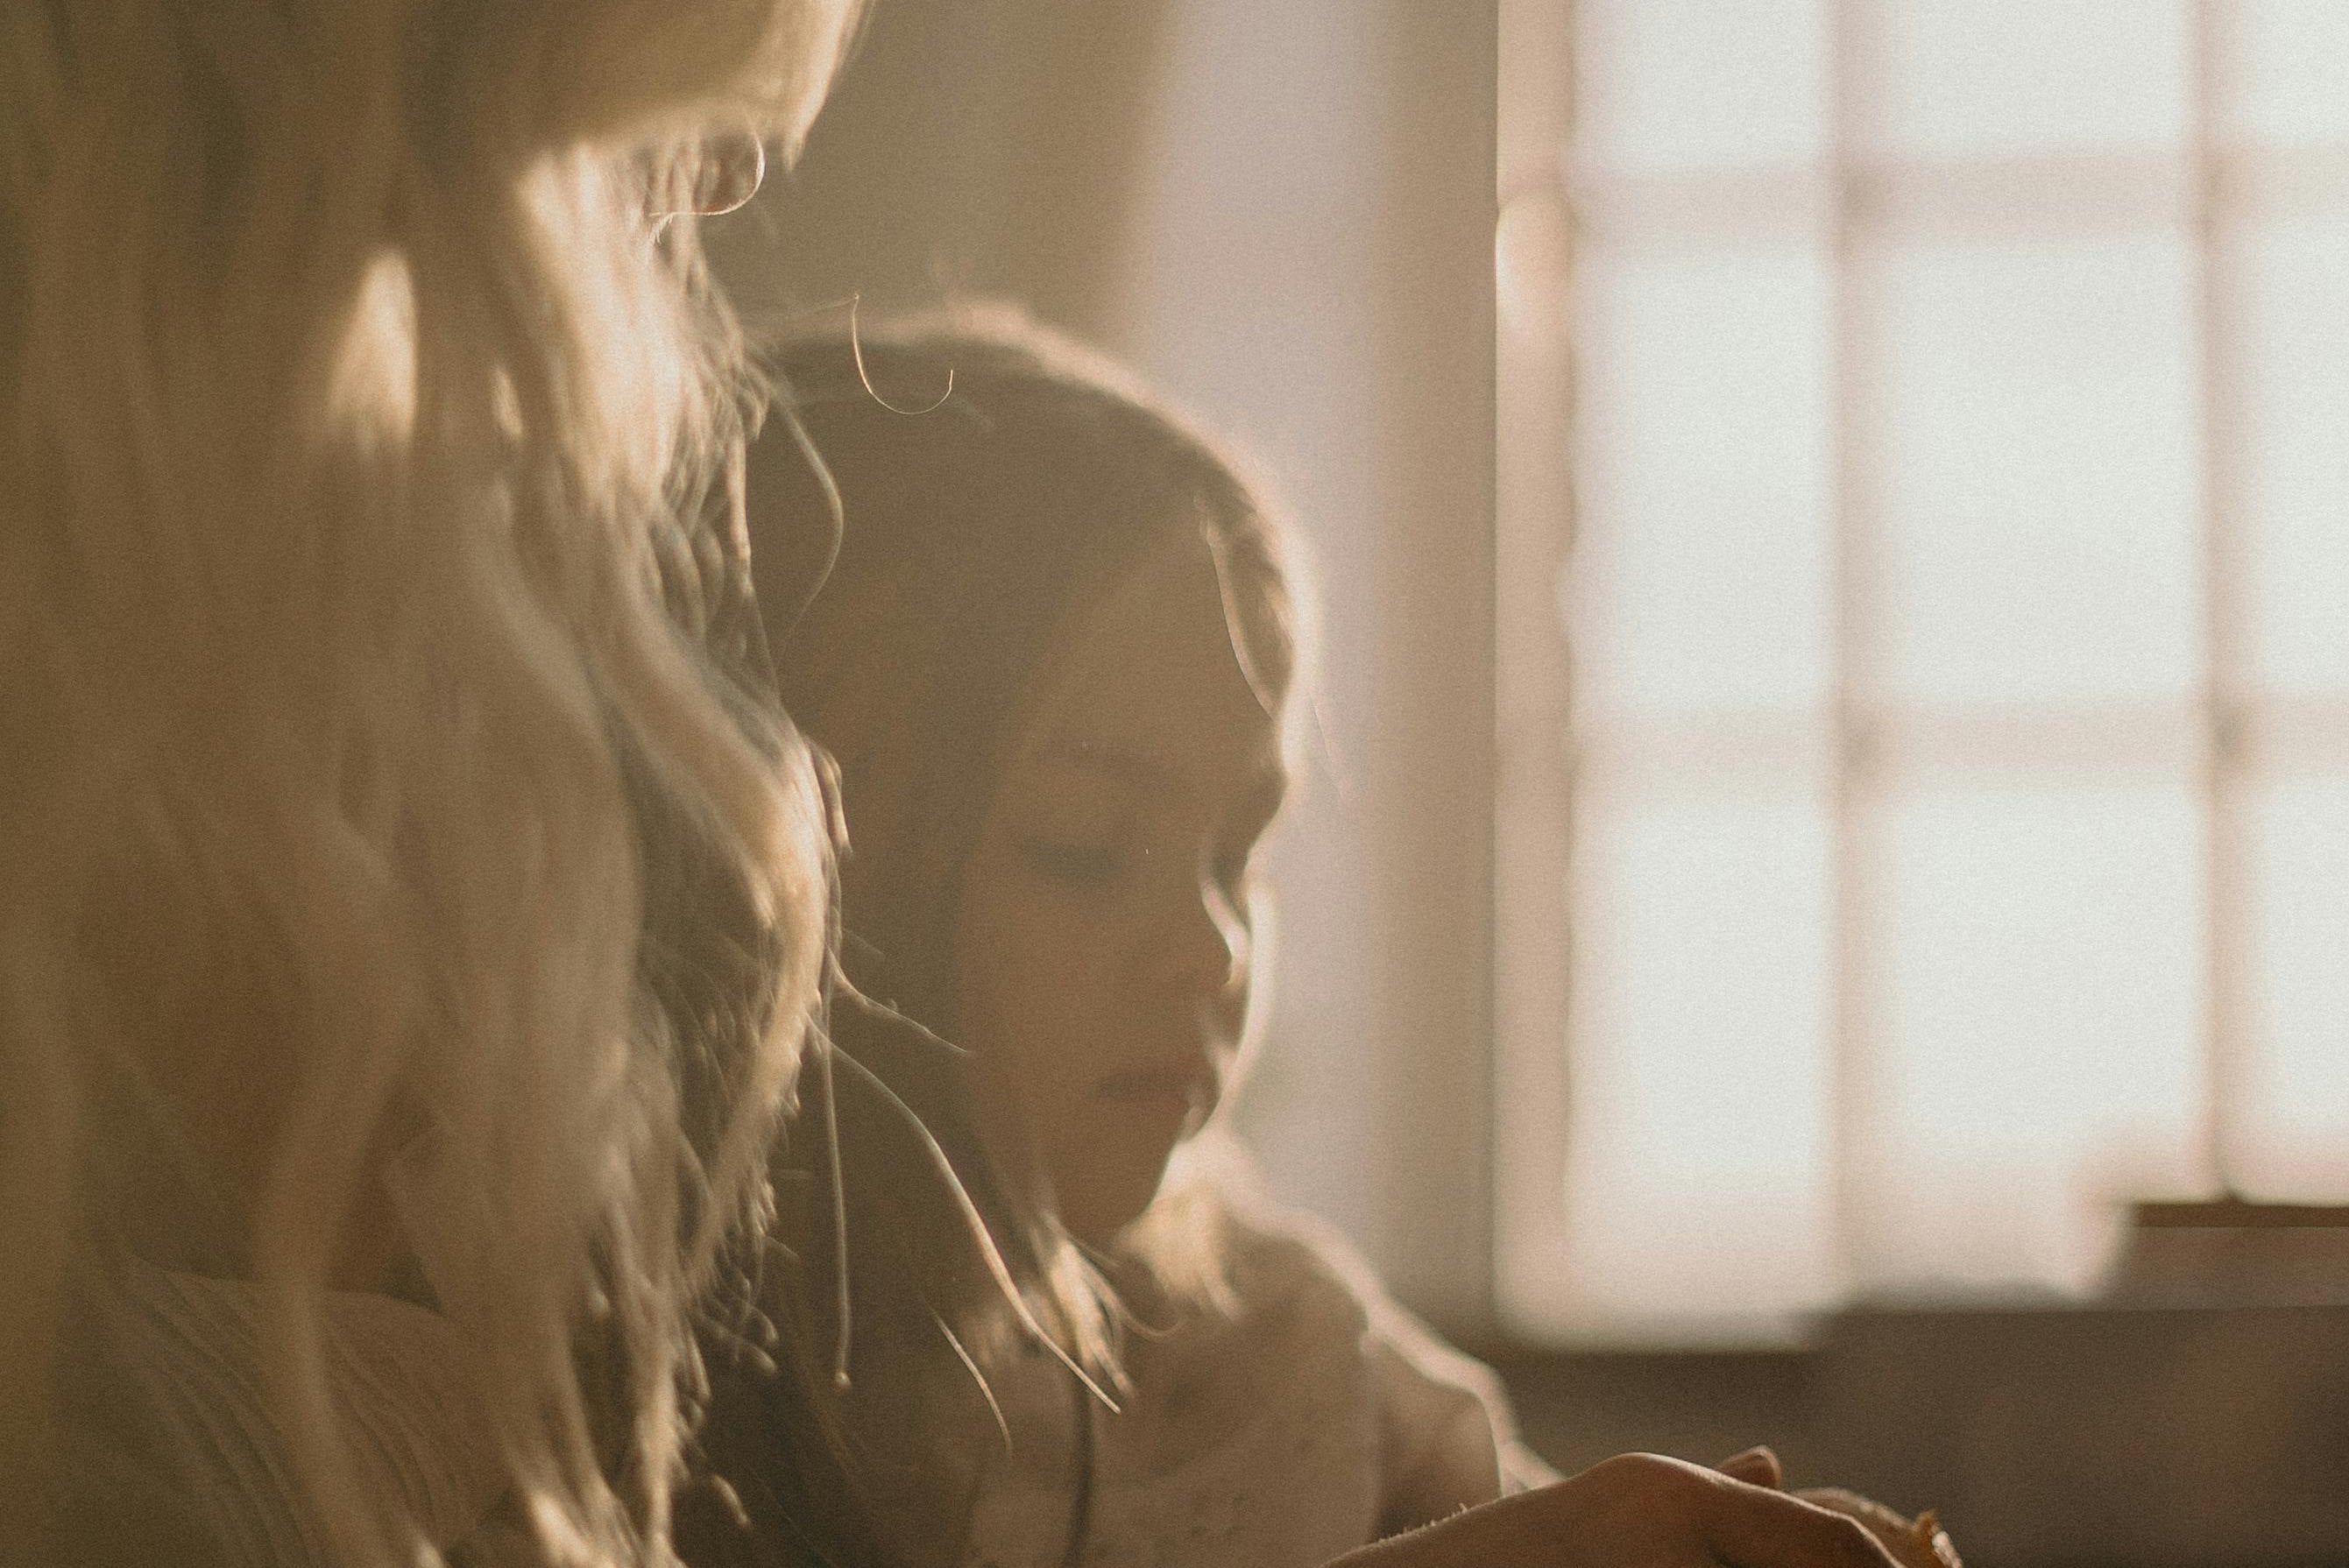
x=1961, y=778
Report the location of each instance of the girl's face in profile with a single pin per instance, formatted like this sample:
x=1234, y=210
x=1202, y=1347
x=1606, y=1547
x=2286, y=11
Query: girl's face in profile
x=1103, y=944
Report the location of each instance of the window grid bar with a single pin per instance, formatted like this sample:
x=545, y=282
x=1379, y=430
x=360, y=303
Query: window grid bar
x=2227, y=899
x=1850, y=885
x=2018, y=194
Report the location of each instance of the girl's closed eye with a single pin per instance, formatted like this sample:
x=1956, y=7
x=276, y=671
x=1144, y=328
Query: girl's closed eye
x=1073, y=827
x=1086, y=864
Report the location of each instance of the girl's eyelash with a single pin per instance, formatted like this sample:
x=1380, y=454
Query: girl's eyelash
x=1075, y=864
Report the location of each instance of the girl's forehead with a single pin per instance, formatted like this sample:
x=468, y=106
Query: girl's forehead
x=1155, y=672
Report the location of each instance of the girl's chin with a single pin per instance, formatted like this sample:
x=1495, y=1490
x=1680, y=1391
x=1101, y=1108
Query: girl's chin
x=1100, y=1222
x=1129, y=1146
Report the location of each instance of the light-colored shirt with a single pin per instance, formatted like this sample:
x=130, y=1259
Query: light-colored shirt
x=1304, y=1424
x=401, y=1378
x=173, y=1430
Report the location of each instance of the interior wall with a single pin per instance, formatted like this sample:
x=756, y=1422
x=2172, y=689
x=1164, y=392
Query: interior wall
x=1434, y=750
x=985, y=147
x=1250, y=293
x=1283, y=214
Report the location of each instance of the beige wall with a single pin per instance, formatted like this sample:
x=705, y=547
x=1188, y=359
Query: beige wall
x=970, y=145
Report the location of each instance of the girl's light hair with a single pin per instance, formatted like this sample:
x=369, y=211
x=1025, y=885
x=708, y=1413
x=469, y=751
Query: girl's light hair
x=361, y=440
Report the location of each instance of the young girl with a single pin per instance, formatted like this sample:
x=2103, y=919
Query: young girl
x=1057, y=661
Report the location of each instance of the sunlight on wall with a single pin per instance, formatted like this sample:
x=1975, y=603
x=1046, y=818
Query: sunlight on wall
x=1250, y=299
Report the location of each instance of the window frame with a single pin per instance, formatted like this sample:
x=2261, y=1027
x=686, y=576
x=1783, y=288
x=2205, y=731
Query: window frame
x=2234, y=731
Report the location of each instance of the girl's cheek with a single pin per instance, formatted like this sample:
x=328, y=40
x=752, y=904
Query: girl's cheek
x=1069, y=957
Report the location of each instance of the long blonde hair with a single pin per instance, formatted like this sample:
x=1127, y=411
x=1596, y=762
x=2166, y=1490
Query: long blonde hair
x=360, y=447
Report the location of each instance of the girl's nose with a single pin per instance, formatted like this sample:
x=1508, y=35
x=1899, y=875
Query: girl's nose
x=1208, y=947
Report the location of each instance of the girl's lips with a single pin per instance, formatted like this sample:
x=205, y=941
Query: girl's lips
x=1171, y=1102
x=1187, y=1083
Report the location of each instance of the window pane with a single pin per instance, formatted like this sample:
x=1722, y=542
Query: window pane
x=2035, y=1006
x=2290, y=60
x=1678, y=85
x=2299, y=1114
x=1701, y=571
x=2039, y=469
x=1698, y=1145
x=2027, y=76
x=2295, y=421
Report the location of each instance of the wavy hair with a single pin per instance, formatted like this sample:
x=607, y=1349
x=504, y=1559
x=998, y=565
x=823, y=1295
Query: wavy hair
x=996, y=478
x=383, y=754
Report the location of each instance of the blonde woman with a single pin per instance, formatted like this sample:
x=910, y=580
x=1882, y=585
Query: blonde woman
x=411, y=910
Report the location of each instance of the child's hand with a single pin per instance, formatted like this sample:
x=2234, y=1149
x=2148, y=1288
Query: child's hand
x=1638, y=1510
x=1757, y=1465
x=1919, y=1543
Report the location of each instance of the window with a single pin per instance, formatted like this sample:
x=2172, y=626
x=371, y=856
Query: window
x=1926, y=733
